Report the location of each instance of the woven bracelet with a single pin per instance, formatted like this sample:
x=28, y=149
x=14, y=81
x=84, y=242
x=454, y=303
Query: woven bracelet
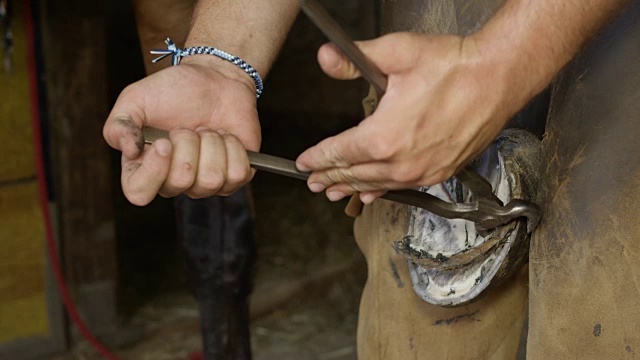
x=177, y=54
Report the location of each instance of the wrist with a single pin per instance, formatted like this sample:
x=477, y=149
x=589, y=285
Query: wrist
x=230, y=44
x=252, y=30
x=514, y=76
x=524, y=49
x=238, y=43
x=222, y=67
x=177, y=54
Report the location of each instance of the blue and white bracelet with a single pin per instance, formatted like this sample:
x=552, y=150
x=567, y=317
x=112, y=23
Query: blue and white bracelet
x=177, y=54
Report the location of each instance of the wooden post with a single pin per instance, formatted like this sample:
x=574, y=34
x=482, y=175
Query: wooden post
x=75, y=66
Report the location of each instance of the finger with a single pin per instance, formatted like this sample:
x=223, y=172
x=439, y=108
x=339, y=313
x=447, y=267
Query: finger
x=369, y=196
x=371, y=177
x=238, y=169
x=390, y=53
x=184, y=163
x=142, y=178
x=123, y=128
x=368, y=192
x=342, y=150
x=373, y=173
x=350, y=189
x=212, y=165
x=340, y=191
x=379, y=185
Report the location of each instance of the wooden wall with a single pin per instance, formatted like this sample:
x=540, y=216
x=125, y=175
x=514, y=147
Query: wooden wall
x=75, y=66
x=23, y=303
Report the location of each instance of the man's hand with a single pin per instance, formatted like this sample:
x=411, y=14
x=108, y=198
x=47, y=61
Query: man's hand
x=209, y=107
x=442, y=107
x=448, y=97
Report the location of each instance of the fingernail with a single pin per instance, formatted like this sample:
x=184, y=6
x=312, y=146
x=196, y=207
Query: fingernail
x=163, y=147
x=316, y=187
x=367, y=198
x=335, y=195
x=302, y=168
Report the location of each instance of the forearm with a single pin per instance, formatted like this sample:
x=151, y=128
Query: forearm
x=253, y=30
x=158, y=19
x=530, y=41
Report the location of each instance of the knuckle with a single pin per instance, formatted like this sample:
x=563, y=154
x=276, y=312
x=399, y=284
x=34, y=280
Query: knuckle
x=237, y=176
x=179, y=185
x=332, y=155
x=107, y=129
x=335, y=155
x=397, y=176
x=401, y=36
x=169, y=191
x=229, y=137
x=129, y=91
x=187, y=167
x=228, y=190
x=350, y=190
x=357, y=188
x=342, y=188
x=208, y=133
x=332, y=177
x=396, y=42
x=182, y=134
x=182, y=179
x=346, y=175
x=196, y=194
x=446, y=173
x=211, y=181
x=383, y=149
x=438, y=176
x=165, y=195
x=341, y=175
x=406, y=173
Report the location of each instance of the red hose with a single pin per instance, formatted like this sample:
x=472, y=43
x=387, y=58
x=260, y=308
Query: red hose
x=44, y=196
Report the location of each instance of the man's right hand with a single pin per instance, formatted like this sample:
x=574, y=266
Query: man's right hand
x=209, y=108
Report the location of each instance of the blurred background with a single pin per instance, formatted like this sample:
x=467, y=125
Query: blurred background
x=64, y=64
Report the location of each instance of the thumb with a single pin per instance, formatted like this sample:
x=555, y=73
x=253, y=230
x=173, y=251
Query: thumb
x=340, y=151
x=390, y=53
x=123, y=128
